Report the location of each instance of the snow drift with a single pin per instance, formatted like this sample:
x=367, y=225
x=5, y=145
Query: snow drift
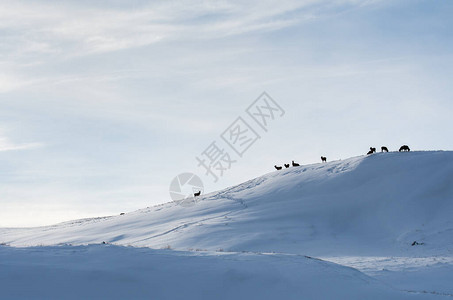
x=112, y=272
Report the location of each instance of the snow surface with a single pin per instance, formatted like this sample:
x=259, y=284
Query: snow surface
x=252, y=240
x=96, y=271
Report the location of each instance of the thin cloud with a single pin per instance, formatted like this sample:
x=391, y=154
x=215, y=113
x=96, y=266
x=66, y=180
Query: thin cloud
x=7, y=145
x=10, y=82
x=75, y=29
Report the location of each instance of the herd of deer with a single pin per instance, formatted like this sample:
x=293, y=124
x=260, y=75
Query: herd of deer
x=372, y=150
x=294, y=164
x=324, y=159
x=385, y=149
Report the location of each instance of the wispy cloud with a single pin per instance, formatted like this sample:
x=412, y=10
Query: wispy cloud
x=78, y=29
x=10, y=82
x=7, y=145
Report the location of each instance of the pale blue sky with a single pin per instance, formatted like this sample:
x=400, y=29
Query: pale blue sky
x=102, y=103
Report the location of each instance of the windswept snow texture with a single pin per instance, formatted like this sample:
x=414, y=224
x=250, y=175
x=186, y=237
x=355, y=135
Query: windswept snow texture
x=94, y=272
x=363, y=212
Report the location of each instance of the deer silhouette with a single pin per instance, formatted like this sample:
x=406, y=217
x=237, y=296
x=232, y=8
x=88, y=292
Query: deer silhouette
x=323, y=159
x=372, y=150
x=286, y=165
x=278, y=168
x=295, y=164
x=404, y=148
x=384, y=149
x=197, y=194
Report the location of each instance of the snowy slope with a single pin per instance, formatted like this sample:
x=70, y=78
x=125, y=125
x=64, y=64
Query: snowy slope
x=370, y=205
x=362, y=212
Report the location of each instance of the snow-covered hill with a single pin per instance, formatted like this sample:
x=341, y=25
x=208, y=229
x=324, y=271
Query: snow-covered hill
x=361, y=205
x=356, y=212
